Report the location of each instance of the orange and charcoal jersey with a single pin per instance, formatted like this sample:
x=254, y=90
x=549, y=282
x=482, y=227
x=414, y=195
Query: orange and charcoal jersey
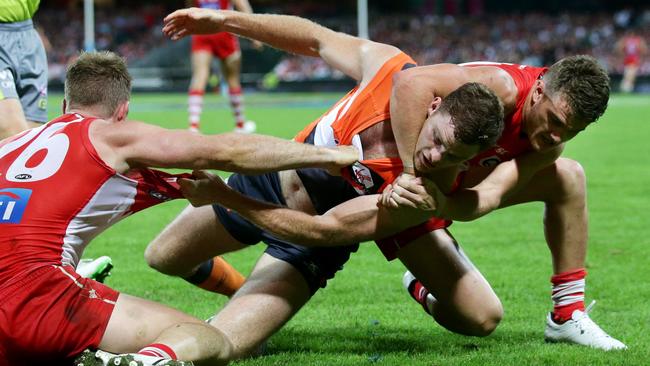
x=362, y=108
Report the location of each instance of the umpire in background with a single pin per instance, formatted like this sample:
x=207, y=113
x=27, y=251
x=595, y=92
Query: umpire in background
x=23, y=69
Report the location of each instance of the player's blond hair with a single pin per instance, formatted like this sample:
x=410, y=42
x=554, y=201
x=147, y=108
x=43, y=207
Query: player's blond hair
x=98, y=79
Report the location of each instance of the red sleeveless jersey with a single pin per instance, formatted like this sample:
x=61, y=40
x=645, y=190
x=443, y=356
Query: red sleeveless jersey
x=512, y=142
x=632, y=50
x=56, y=194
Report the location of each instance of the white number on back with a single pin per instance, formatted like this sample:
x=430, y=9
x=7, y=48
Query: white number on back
x=50, y=148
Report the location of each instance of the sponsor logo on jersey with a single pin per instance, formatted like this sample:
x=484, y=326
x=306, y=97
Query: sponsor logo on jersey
x=13, y=202
x=361, y=174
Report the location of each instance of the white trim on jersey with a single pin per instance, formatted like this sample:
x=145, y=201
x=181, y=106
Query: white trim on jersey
x=110, y=204
x=324, y=134
x=483, y=63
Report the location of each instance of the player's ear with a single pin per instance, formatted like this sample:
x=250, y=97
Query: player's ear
x=121, y=111
x=538, y=91
x=435, y=104
x=64, y=105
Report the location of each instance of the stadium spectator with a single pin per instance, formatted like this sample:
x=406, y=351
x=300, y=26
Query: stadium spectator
x=529, y=38
x=225, y=47
x=50, y=313
x=23, y=69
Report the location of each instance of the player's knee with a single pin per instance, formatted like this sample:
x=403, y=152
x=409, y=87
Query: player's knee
x=158, y=258
x=487, y=321
x=571, y=176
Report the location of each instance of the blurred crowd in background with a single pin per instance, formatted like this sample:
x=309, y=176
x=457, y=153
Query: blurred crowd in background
x=530, y=38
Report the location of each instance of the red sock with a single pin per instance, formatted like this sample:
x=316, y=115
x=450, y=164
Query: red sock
x=419, y=293
x=158, y=350
x=195, y=107
x=237, y=105
x=568, y=293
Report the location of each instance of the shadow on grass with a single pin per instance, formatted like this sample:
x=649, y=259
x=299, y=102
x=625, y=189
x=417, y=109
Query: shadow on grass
x=375, y=339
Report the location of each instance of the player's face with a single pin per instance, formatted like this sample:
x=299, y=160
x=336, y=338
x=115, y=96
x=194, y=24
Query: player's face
x=548, y=122
x=437, y=148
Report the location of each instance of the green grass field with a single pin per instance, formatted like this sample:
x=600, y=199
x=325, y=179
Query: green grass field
x=364, y=317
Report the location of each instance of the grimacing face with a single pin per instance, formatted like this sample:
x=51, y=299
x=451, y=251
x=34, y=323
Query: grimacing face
x=548, y=121
x=437, y=147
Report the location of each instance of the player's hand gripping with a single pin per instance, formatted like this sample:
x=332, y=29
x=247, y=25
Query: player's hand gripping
x=205, y=189
x=345, y=155
x=413, y=192
x=184, y=22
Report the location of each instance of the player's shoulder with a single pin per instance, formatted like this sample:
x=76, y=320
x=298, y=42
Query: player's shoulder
x=495, y=76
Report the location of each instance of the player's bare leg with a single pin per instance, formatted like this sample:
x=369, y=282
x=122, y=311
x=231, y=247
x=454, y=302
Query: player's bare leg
x=629, y=78
x=175, y=253
x=463, y=301
x=13, y=119
x=231, y=69
x=136, y=323
x=201, y=61
x=271, y=295
x=562, y=188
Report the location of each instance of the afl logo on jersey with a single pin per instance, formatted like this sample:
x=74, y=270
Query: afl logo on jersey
x=23, y=176
x=159, y=196
x=13, y=202
x=490, y=161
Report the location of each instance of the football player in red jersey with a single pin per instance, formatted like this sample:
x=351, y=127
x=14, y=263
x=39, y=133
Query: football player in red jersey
x=225, y=47
x=65, y=182
x=544, y=108
x=633, y=47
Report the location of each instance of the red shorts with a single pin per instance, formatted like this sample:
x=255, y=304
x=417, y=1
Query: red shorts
x=391, y=245
x=221, y=45
x=632, y=61
x=52, y=314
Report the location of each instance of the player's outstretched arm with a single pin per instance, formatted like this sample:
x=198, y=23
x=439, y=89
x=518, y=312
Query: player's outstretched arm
x=245, y=7
x=135, y=144
x=353, y=56
x=353, y=221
